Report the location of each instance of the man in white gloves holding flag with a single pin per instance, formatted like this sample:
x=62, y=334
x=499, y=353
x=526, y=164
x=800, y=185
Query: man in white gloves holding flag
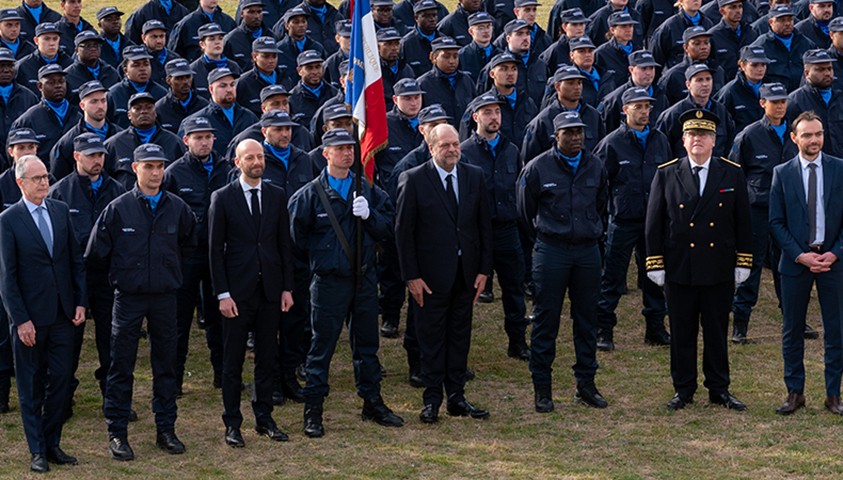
x=698, y=236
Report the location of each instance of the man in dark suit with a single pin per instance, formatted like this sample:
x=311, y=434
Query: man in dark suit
x=806, y=220
x=699, y=238
x=445, y=251
x=43, y=290
x=252, y=274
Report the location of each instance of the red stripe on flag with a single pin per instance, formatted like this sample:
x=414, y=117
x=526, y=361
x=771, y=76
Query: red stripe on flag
x=376, y=135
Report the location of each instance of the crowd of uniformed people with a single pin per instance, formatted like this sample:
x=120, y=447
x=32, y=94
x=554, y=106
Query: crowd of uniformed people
x=196, y=163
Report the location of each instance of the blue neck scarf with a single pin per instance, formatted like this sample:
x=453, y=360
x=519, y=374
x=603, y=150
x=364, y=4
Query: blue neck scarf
x=533, y=31
x=210, y=15
x=340, y=186
x=786, y=41
x=139, y=87
x=60, y=109
x=780, y=130
x=394, y=68
x=320, y=12
x=146, y=134
x=79, y=26
x=167, y=4
x=186, y=102
x=452, y=78
x=642, y=136
x=208, y=165
x=12, y=46
x=153, y=200
x=428, y=37
x=825, y=93
x=222, y=62
x=823, y=26
x=512, y=98
x=525, y=58
x=36, y=12
x=593, y=77
x=102, y=132
x=95, y=186
x=627, y=49
x=270, y=79
x=574, y=161
x=650, y=90
x=6, y=91
x=300, y=44
x=494, y=144
x=282, y=154
x=256, y=33
x=49, y=61
x=738, y=30
x=487, y=50
x=95, y=72
x=414, y=122
x=317, y=92
x=162, y=56
x=115, y=45
x=756, y=88
x=229, y=113
x=695, y=20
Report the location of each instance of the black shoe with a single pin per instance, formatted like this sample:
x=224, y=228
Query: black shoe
x=587, y=394
x=544, y=399
x=605, y=341
x=378, y=412
x=678, y=402
x=313, y=421
x=486, y=297
x=233, y=438
x=465, y=409
x=278, y=398
x=133, y=415
x=415, y=380
x=169, y=442
x=727, y=400
x=56, y=455
x=120, y=449
x=739, y=334
x=657, y=337
x=810, y=333
x=272, y=432
x=429, y=414
x=250, y=342
x=389, y=330
x=469, y=375
x=38, y=464
x=518, y=349
x=292, y=390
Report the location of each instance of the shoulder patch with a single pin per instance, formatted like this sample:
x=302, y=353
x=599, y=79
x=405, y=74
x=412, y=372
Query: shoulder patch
x=731, y=162
x=669, y=163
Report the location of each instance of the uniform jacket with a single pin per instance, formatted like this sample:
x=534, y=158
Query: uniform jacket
x=121, y=147
x=184, y=36
x=672, y=80
x=415, y=50
x=301, y=138
x=237, y=44
x=152, y=10
x=758, y=150
x=288, y=51
x=28, y=66
x=118, y=100
x=187, y=179
x=170, y=113
x=787, y=67
x=598, y=26
x=666, y=42
x=75, y=191
x=20, y=100
x=539, y=134
x=500, y=171
x=304, y=104
x=438, y=89
x=28, y=24
x=402, y=139
x=78, y=73
x=726, y=45
x=46, y=125
x=61, y=162
x=740, y=101
x=224, y=130
x=473, y=59
x=807, y=98
x=612, y=113
x=250, y=84
x=668, y=123
x=201, y=68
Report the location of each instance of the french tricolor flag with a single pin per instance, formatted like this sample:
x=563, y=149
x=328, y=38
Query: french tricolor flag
x=364, y=87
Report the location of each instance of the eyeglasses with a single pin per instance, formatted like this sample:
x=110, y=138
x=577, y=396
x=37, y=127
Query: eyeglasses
x=39, y=178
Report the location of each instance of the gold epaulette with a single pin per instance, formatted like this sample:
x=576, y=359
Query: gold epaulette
x=669, y=163
x=655, y=262
x=731, y=162
x=744, y=260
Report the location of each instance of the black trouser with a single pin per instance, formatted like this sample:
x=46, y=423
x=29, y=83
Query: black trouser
x=261, y=316
x=443, y=329
x=294, y=328
x=391, y=295
x=508, y=258
x=689, y=308
x=101, y=305
x=7, y=363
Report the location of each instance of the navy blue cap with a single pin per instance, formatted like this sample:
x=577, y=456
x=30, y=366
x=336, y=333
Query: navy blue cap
x=781, y=10
x=567, y=72
x=336, y=137
x=178, y=67
x=444, y=43
x=265, y=45
x=221, y=72
x=408, y=86
x=773, y=91
x=817, y=55
x=387, y=34
x=88, y=88
x=723, y=3
x=482, y=101
x=424, y=5
x=136, y=52
x=381, y=3
x=244, y=4
x=580, y=42
x=822, y=1
x=836, y=24
x=88, y=144
x=501, y=58
x=8, y=14
x=150, y=152
x=525, y=3
x=277, y=118
x=86, y=36
x=6, y=55
x=621, y=18
x=46, y=27
x=21, y=135
x=140, y=97
x=197, y=123
x=343, y=68
x=479, y=17
x=694, y=32
x=106, y=11
x=574, y=15
x=271, y=90
x=567, y=120
x=153, y=25
x=515, y=25
x=696, y=68
x=699, y=119
x=296, y=11
x=51, y=69
x=432, y=113
x=343, y=28
x=210, y=29
x=642, y=58
x=308, y=56
x=334, y=112
x=754, y=55
x=636, y=94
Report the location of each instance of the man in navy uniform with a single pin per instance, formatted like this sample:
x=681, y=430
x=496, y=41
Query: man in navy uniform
x=699, y=239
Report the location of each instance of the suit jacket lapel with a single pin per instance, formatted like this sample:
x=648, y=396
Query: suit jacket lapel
x=686, y=179
x=828, y=182
x=462, y=181
x=712, y=184
x=796, y=184
x=436, y=186
x=33, y=228
x=243, y=206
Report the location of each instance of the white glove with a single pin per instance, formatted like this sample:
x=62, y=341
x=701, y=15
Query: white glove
x=360, y=207
x=656, y=276
x=741, y=274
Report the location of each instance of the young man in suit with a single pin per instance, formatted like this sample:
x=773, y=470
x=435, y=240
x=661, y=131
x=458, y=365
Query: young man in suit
x=806, y=220
x=43, y=290
x=445, y=251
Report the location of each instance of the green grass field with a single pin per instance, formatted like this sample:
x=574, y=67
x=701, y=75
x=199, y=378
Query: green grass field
x=636, y=437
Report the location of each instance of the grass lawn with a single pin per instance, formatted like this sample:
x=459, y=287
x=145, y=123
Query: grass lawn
x=636, y=437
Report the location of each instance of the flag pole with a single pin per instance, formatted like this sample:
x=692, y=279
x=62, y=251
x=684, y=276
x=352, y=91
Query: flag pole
x=358, y=254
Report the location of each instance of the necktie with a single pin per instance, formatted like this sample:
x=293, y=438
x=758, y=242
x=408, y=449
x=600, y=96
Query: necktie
x=256, y=207
x=697, y=179
x=452, y=195
x=812, y=203
x=45, y=229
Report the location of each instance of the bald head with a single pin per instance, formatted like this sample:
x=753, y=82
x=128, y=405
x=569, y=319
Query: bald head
x=248, y=157
x=445, y=146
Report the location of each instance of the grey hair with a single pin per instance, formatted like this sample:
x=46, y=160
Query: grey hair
x=20, y=164
x=437, y=131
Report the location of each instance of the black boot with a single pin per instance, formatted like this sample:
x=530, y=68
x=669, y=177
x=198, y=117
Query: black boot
x=544, y=398
x=739, y=329
x=518, y=348
x=605, y=340
x=313, y=420
x=5, y=388
x=656, y=334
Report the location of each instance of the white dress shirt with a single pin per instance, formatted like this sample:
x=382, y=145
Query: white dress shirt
x=36, y=216
x=443, y=175
x=820, y=234
x=703, y=173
